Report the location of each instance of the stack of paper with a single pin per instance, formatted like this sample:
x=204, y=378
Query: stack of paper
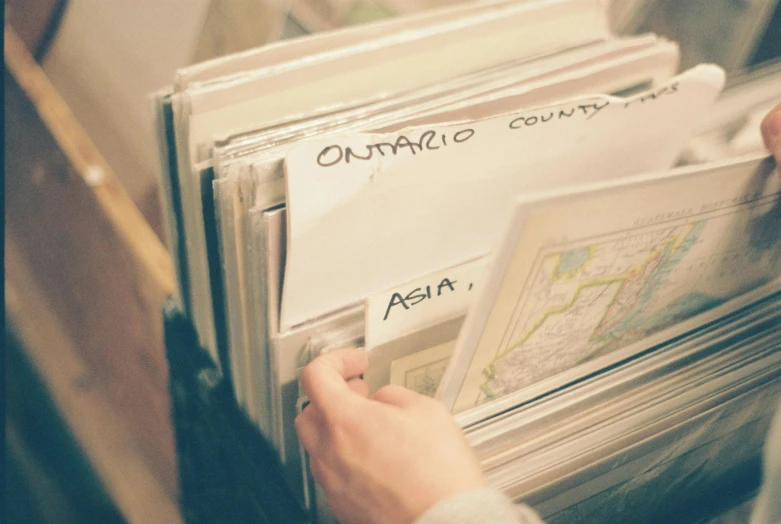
x=668, y=421
x=368, y=187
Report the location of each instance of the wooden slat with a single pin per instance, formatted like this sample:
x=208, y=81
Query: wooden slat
x=119, y=460
x=34, y=21
x=88, y=164
x=85, y=290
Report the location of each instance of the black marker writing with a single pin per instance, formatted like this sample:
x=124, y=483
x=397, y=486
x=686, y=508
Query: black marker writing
x=664, y=91
x=543, y=117
x=428, y=141
x=418, y=295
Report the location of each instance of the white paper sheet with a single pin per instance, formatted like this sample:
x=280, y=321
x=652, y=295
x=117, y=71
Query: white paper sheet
x=362, y=226
x=581, y=275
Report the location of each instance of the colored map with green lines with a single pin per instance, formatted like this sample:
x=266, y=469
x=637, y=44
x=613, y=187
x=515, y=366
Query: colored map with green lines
x=591, y=300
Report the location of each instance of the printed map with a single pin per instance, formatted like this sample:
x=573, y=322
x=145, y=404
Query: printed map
x=585, y=302
x=425, y=380
x=422, y=371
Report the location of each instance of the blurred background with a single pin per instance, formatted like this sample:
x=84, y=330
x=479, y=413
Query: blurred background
x=104, y=57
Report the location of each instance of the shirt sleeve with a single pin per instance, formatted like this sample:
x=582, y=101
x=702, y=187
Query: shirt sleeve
x=477, y=507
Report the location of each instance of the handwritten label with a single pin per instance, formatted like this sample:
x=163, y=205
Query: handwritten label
x=543, y=117
x=429, y=140
x=404, y=210
x=433, y=140
x=422, y=302
x=667, y=90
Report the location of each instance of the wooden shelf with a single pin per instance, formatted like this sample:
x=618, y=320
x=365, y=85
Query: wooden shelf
x=86, y=278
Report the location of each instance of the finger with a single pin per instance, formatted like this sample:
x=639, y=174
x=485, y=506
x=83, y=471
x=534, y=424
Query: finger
x=771, y=132
x=398, y=396
x=308, y=426
x=324, y=380
x=358, y=385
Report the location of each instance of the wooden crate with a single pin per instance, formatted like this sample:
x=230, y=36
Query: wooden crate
x=85, y=281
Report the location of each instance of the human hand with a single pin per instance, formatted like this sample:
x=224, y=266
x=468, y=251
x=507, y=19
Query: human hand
x=771, y=132
x=387, y=458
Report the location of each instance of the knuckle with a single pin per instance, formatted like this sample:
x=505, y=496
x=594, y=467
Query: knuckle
x=336, y=420
x=338, y=441
x=308, y=376
x=386, y=390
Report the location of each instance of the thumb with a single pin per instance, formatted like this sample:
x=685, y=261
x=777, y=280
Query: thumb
x=771, y=132
x=324, y=380
x=398, y=396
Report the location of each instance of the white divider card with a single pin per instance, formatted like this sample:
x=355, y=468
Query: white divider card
x=422, y=302
x=368, y=212
x=583, y=274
